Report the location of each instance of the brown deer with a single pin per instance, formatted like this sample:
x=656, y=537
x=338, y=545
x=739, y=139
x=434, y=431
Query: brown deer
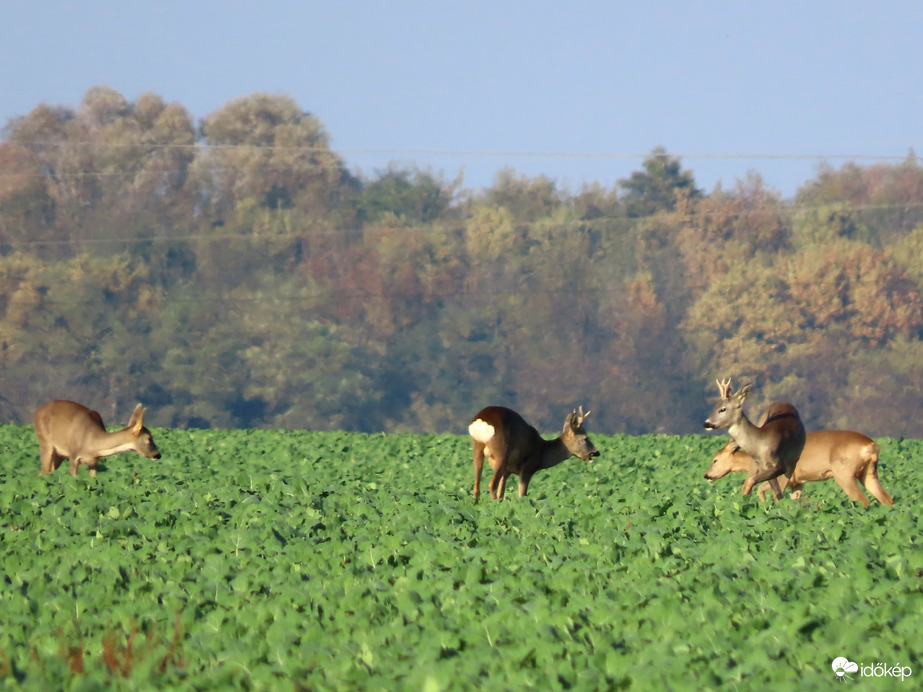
x=775, y=445
x=513, y=446
x=68, y=430
x=844, y=456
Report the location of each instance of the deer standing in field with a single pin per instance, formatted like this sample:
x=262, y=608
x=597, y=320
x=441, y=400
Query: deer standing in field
x=513, y=446
x=844, y=456
x=775, y=445
x=68, y=430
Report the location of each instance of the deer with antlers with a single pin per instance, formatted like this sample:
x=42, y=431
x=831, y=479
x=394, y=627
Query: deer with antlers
x=847, y=457
x=775, y=445
x=513, y=446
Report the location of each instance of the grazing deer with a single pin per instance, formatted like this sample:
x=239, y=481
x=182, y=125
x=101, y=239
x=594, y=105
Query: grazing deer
x=66, y=429
x=844, y=456
x=513, y=446
x=775, y=445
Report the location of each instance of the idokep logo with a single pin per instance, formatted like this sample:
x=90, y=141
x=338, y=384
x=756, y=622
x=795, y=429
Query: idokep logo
x=842, y=667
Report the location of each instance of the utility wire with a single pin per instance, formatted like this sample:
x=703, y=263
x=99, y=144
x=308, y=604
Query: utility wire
x=515, y=153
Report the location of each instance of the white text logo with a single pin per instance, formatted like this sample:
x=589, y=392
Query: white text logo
x=842, y=667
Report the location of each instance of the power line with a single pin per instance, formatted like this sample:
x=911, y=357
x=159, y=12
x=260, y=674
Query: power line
x=512, y=153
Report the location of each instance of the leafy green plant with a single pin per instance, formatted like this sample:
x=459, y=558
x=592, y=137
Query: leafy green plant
x=327, y=560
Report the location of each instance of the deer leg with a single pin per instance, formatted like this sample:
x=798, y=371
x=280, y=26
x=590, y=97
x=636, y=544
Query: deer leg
x=501, y=489
x=762, y=490
x=768, y=474
x=50, y=460
x=776, y=490
x=849, y=485
x=75, y=464
x=873, y=485
x=765, y=487
x=747, y=486
x=785, y=482
x=524, y=478
x=498, y=483
x=478, y=466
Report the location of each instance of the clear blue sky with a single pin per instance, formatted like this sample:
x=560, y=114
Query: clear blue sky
x=570, y=90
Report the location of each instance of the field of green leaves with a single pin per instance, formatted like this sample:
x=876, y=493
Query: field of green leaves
x=325, y=561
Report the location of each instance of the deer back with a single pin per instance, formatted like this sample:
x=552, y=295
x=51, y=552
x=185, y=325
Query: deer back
x=782, y=436
x=68, y=426
x=506, y=436
x=828, y=451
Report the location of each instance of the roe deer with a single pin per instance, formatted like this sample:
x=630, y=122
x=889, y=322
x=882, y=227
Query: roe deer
x=513, y=446
x=775, y=445
x=66, y=429
x=842, y=455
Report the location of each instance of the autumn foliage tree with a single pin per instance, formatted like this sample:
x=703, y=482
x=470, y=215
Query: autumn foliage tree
x=235, y=273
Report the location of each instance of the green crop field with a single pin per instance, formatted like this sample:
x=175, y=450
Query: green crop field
x=329, y=561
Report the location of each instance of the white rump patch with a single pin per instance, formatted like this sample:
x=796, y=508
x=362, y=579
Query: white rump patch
x=481, y=431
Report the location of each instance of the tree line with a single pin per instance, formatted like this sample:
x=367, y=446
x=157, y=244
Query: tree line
x=234, y=273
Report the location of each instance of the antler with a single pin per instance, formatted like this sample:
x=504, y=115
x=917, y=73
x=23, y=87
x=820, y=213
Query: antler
x=580, y=417
x=724, y=387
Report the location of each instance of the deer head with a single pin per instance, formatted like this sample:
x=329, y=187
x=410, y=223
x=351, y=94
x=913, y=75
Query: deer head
x=575, y=437
x=729, y=410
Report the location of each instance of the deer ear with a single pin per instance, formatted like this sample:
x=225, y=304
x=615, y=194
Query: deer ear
x=744, y=391
x=137, y=419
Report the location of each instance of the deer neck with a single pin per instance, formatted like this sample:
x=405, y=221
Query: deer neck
x=554, y=452
x=745, y=434
x=106, y=444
